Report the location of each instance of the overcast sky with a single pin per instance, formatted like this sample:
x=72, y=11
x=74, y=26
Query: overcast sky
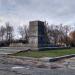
x=19, y=12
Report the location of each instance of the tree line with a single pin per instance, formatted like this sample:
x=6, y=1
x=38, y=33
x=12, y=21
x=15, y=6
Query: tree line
x=7, y=34
x=58, y=34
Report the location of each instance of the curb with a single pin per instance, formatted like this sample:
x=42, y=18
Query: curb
x=61, y=57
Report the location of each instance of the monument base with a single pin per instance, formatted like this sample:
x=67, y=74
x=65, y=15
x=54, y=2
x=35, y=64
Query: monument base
x=47, y=47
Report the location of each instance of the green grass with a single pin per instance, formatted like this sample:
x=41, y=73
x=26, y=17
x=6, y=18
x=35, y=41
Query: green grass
x=47, y=53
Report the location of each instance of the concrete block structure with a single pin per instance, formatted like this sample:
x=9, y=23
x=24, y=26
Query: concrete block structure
x=38, y=38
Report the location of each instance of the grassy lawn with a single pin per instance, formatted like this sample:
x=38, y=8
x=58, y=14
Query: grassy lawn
x=47, y=53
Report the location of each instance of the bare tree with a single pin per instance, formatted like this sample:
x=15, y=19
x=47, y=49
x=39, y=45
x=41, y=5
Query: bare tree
x=59, y=33
x=66, y=30
x=9, y=31
x=2, y=32
x=53, y=31
x=23, y=31
x=26, y=33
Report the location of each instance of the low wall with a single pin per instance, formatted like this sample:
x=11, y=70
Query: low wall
x=61, y=57
x=50, y=48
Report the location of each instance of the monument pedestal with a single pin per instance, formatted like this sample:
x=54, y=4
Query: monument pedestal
x=38, y=38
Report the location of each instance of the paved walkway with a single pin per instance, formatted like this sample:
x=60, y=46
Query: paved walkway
x=8, y=69
x=8, y=66
x=10, y=50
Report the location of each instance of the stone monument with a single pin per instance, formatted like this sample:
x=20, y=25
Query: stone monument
x=38, y=38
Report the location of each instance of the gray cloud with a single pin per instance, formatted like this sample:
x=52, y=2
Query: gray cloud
x=55, y=11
